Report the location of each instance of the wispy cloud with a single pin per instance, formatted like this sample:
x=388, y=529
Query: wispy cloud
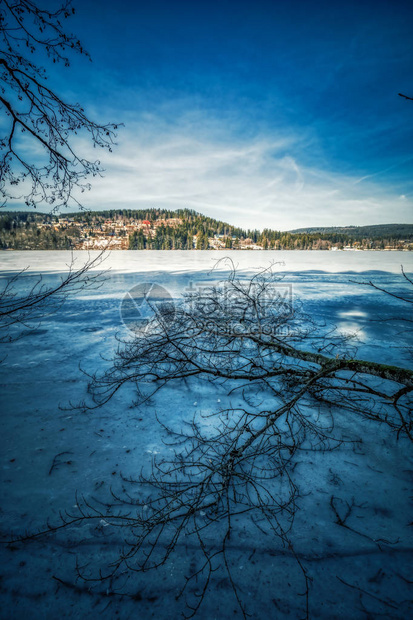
x=200, y=163
x=401, y=162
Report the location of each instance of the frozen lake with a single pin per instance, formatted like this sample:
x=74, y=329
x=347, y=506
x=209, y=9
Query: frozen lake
x=141, y=260
x=50, y=452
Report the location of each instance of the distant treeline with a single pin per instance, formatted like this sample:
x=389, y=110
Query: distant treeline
x=377, y=231
x=24, y=231
x=189, y=230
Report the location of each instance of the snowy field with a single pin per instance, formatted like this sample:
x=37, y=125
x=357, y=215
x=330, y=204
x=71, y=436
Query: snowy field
x=53, y=453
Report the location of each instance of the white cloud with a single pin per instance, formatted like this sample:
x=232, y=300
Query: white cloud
x=258, y=182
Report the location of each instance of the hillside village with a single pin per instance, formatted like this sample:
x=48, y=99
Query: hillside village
x=182, y=230
x=121, y=232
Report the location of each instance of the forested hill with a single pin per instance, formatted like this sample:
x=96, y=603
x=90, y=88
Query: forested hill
x=378, y=231
x=183, y=229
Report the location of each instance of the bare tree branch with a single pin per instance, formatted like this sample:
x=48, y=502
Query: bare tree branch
x=26, y=300
x=37, y=115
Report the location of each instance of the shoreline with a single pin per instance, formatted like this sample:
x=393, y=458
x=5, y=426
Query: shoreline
x=223, y=250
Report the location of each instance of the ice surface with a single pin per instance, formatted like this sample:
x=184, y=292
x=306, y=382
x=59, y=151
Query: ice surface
x=143, y=261
x=50, y=452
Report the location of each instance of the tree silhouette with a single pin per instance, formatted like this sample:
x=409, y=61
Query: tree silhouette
x=24, y=306
x=37, y=119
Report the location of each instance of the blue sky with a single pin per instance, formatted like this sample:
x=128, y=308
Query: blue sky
x=279, y=114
